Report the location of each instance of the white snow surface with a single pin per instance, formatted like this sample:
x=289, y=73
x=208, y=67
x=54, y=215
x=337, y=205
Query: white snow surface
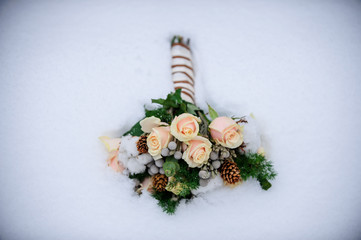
x=71, y=71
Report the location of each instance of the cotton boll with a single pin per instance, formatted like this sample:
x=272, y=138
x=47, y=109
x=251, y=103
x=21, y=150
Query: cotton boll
x=251, y=136
x=123, y=158
x=135, y=167
x=144, y=158
x=213, y=184
x=128, y=144
x=123, y=143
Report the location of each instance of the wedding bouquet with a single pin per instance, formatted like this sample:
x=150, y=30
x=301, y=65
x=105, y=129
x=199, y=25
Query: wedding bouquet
x=178, y=151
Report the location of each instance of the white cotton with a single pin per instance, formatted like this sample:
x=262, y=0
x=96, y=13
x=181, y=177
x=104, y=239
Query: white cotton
x=134, y=166
x=123, y=158
x=251, y=136
x=129, y=145
x=213, y=184
x=144, y=158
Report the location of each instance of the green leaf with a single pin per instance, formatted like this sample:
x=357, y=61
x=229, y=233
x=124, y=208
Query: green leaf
x=173, y=100
x=136, y=130
x=183, y=107
x=191, y=108
x=159, y=101
x=212, y=113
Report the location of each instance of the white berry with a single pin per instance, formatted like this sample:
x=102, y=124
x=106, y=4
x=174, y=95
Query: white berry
x=225, y=154
x=216, y=164
x=172, y=145
x=178, y=155
x=204, y=174
x=203, y=182
x=159, y=163
x=154, y=169
x=214, y=155
x=165, y=152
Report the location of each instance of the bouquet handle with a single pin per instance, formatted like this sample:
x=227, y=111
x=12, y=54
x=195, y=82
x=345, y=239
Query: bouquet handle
x=182, y=68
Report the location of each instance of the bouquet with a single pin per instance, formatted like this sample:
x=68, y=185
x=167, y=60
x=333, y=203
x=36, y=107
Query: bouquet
x=179, y=151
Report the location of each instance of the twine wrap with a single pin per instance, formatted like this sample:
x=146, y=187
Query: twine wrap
x=182, y=70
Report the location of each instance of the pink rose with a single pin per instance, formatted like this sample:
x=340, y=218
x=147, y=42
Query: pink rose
x=226, y=132
x=185, y=127
x=157, y=140
x=198, y=151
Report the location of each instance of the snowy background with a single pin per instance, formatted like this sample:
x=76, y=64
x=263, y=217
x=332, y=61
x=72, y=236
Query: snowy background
x=71, y=71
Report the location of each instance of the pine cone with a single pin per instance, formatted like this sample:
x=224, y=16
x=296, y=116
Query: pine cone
x=160, y=181
x=142, y=144
x=230, y=172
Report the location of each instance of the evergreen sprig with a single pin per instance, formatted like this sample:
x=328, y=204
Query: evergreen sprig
x=188, y=177
x=167, y=201
x=254, y=165
x=139, y=176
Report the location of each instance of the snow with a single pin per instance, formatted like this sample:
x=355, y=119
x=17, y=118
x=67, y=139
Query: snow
x=251, y=135
x=71, y=71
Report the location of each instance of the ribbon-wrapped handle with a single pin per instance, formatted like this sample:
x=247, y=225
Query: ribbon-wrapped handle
x=182, y=68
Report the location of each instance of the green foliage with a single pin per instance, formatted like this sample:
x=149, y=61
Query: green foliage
x=188, y=177
x=173, y=105
x=160, y=113
x=212, y=113
x=135, y=130
x=166, y=201
x=265, y=184
x=203, y=126
x=254, y=165
x=176, y=104
x=139, y=176
x=191, y=108
x=171, y=166
x=173, y=100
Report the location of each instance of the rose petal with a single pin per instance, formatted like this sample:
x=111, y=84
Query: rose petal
x=114, y=163
x=111, y=144
x=149, y=123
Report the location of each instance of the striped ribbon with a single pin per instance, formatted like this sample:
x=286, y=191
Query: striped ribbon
x=182, y=71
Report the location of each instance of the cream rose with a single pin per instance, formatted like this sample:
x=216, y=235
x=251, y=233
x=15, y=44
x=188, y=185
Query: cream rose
x=226, y=132
x=147, y=124
x=185, y=127
x=198, y=151
x=157, y=140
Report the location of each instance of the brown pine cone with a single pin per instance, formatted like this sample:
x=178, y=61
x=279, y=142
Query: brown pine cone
x=230, y=172
x=160, y=181
x=142, y=144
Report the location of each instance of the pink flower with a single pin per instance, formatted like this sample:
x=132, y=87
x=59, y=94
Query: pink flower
x=226, y=132
x=198, y=151
x=185, y=127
